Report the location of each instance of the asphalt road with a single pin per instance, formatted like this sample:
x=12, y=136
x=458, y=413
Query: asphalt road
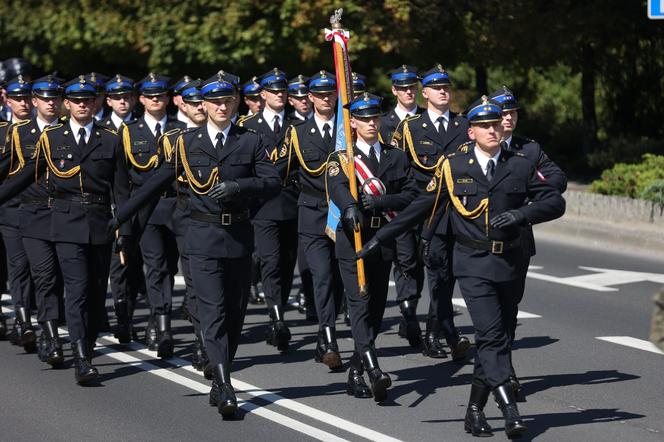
x=579, y=387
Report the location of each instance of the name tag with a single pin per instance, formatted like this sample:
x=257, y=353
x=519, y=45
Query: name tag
x=464, y=180
x=427, y=143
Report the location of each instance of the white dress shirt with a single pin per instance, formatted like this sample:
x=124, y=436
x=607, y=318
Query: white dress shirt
x=73, y=124
x=213, y=131
x=41, y=124
x=402, y=114
x=434, y=118
x=117, y=121
x=152, y=123
x=268, y=116
x=320, y=123
x=483, y=160
x=366, y=148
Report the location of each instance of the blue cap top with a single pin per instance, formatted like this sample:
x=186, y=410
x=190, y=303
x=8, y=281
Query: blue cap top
x=359, y=83
x=436, y=76
x=97, y=79
x=218, y=86
x=404, y=76
x=484, y=110
x=119, y=85
x=274, y=80
x=505, y=98
x=297, y=87
x=18, y=87
x=153, y=85
x=251, y=88
x=323, y=81
x=365, y=105
x=191, y=91
x=80, y=88
x=48, y=86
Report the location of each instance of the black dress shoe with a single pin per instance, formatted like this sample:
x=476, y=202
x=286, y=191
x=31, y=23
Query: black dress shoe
x=52, y=351
x=356, y=386
x=432, y=346
x=475, y=421
x=409, y=327
x=26, y=333
x=123, y=330
x=84, y=371
x=327, y=350
x=226, y=400
x=459, y=346
x=278, y=333
x=378, y=380
x=514, y=425
x=164, y=337
x=151, y=334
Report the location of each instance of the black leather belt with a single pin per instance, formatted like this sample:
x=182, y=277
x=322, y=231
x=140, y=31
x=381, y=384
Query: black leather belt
x=495, y=247
x=40, y=201
x=224, y=219
x=83, y=198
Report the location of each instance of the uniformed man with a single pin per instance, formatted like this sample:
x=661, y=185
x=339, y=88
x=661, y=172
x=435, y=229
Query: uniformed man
x=408, y=269
x=20, y=279
x=251, y=91
x=306, y=149
x=494, y=193
x=157, y=239
x=386, y=186
x=275, y=222
x=4, y=126
x=177, y=98
x=226, y=167
x=427, y=138
x=127, y=279
x=34, y=214
x=86, y=172
x=298, y=98
x=359, y=84
x=547, y=170
x=99, y=80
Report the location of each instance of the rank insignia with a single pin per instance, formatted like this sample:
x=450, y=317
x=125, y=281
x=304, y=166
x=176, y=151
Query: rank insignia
x=333, y=168
x=283, y=151
x=62, y=164
x=432, y=185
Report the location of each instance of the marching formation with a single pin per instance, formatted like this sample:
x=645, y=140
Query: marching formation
x=108, y=192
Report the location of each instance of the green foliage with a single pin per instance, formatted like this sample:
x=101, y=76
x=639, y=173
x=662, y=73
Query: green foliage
x=632, y=180
x=654, y=192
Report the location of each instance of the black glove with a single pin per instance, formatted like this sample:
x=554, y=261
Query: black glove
x=352, y=219
x=224, y=191
x=123, y=244
x=371, y=202
x=506, y=219
x=424, y=249
x=369, y=248
x=111, y=227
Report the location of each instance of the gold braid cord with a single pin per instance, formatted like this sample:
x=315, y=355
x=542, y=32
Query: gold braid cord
x=295, y=145
x=126, y=141
x=196, y=186
x=482, y=207
x=43, y=144
x=408, y=138
x=16, y=147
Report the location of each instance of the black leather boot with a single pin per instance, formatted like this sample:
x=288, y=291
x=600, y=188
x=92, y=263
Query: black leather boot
x=42, y=345
x=278, y=333
x=458, y=344
x=151, y=334
x=164, y=337
x=3, y=327
x=432, y=345
x=226, y=401
x=123, y=328
x=514, y=425
x=27, y=335
x=184, y=309
x=378, y=380
x=52, y=353
x=519, y=394
x=84, y=371
x=199, y=358
x=356, y=386
x=475, y=421
x=327, y=350
x=409, y=327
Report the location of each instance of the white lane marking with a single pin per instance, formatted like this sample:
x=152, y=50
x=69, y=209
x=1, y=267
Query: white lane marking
x=600, y=280
x=628, y=341
x=521, y=315
x=289, y=404
x=203, y=388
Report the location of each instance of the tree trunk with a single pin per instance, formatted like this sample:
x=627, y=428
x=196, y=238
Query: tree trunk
x=481, y=80
x=588, y=99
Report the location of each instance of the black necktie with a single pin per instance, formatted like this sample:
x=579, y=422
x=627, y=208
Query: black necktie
x=327, y=136
x=490, y=169
x=157, y=131
x=504, y=146
x=441, y=126
x=81, y=139
x=277, y=127
x=220, y=142
x=373, y=158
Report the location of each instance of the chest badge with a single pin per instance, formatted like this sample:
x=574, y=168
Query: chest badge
x=283, y=151
x=333, y=168
x=432, y=185
x=62, y=163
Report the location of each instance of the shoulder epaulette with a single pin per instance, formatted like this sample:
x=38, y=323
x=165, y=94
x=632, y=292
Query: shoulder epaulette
x=130, y=122
x=412, y=117
x=108, y=129
x=20, y=123
x=242, y=119
x=186, y=130
x=55, y=126
x=465, y=147
x=3, y=123
x=521, y=154
x=172, y=131
x=64, y=118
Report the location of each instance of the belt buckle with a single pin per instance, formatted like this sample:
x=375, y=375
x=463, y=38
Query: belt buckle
x=496, y=247
x=226, y=219
x=375, y=222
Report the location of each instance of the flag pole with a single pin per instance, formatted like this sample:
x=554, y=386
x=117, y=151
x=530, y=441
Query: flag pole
x=339, y=38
